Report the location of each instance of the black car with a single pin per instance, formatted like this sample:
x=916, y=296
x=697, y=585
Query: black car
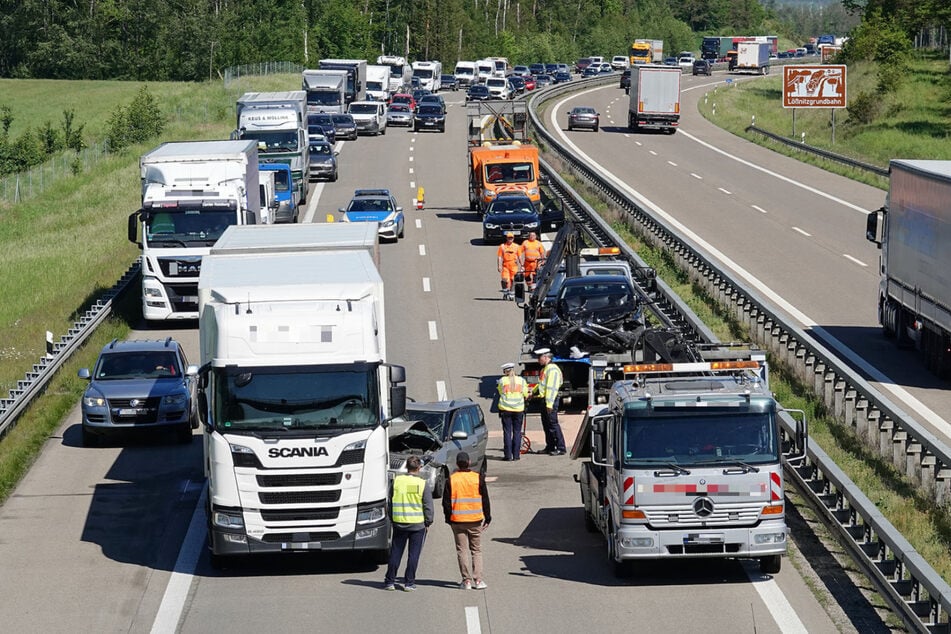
x=702, y=67
x=429, y=116
x=509, y=212
x=537, y=69
x=449, y=82
x=560, y=77
x=478, y=92
x=626, y=80
x=551, y=69
x=322, y=123
x=583, y=117
x=516, y=84
x=344, y=126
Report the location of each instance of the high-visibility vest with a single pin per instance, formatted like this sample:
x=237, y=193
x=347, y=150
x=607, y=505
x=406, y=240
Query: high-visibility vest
x=532, y=250
x=408, y=499
x=512, y=393
x=466, y=499
x=549, y=383
x=509, y=254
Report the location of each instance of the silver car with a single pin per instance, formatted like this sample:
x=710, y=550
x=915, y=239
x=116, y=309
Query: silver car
x=399, y=114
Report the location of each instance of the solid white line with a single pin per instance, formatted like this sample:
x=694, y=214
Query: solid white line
x=432, y=331
x=473, y=626
x=727, y=192
x=805, y=233
x=419, y=223
x=426, y=287
x=777, y=604
x=856, y=260
x=441, y=394
x=759, y=209
x=697, y=176
x=422, y=249
x=671, y=163
x=173, y=601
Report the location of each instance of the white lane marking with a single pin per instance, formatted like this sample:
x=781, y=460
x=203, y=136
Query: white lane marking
x=411, y=148
x=311, y=210
x=636, y=142
x=727, y=192
x=653, y=152
x=473, y=626
x=419, y=223
x=672, y=163
x=411, y=159
x=426, y=286
x=758, y=208
x=441, y=394
x=176, y=592
x=422, y=249
x=411, y=170
x=856, y=260
x=432, y=331
x=697, y=176
x=805, y=233
x=777, y=604
x=804, y=320
x=412, y=184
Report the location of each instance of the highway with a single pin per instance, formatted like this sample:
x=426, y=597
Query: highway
x=111, y=539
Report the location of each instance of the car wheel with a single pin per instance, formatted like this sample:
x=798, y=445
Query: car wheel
x=595, y=128
x=383, y=130
x=333, y=177
x=415, y=129
x=89, y=439
x=569, y=127
x=770, y=565
x=401, y=231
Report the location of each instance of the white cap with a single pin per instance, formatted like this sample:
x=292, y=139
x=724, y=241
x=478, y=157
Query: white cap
x=542, y=351
x=508, y=366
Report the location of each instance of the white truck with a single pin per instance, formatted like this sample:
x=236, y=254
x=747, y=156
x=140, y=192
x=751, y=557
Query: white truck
x=429, y=75
x=913, y=230
x=267, y=181
x=191, y=192
x=277, y=122
x=752, y=56
x=685, y=460
x=466, y=73
x=378, y=83
x=296, y=392
x=401, y=73
x=654, y=98
x=356, y=76
x=326, y=90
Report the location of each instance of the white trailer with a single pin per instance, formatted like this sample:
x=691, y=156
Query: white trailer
x=277, y=122
x=326, y=90
x=191, y=192
x=429, y=75
x=295, y=394
x=913, y=230
x=753, y=56
x=401, y=73
x=654, y=98
x=378, y=83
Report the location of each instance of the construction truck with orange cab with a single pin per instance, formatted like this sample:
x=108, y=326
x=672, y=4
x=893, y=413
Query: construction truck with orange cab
x=685, y=460
x=501, y=156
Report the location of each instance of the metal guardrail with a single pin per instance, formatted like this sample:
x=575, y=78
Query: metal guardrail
x=826, y=154
x=913, y=589
x=43, y=370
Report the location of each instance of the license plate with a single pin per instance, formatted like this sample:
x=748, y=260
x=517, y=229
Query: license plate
x=190, y=299
x=703, y=538
x=128, y=411
x=300, y=545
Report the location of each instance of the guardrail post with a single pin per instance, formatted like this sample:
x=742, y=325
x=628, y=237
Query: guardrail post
x=899, y=448
x=913, y=455
x=886, y=427
x=838, y=398
x=868, y=424
x=850, y=416
x=942, y=483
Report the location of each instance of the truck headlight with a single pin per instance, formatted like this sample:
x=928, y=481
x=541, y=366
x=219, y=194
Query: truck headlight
x=532, y=192
x=152, y=292
x=371, y=515
x=227, y=520
x=769, y=538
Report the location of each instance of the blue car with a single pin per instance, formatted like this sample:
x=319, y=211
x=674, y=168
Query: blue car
x=376, y=205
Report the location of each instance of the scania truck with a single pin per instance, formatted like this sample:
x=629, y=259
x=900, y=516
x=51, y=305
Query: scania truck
x=685, y=460
x=296, y=392
x=277, y=122
x=191, y=192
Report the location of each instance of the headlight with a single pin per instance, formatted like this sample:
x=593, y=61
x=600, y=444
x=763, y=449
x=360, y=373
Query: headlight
x=490, y=193
x=372, y=515
x=176, y=399
x=489, y=225
x=359, y=444
x=531, y=225
x=225, y=520
x=94, y=401
x=532, y=192
x=152, y=292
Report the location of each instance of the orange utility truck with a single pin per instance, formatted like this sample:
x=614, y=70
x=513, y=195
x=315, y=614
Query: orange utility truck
x=501, y=156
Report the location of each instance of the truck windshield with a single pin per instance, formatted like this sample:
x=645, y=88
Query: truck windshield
x=423, y=73
x=184, y=227
x=323, y=399
x=375, y=85
x=509, y=173
x=273, y=140
x=718, y=436
x=324, y=98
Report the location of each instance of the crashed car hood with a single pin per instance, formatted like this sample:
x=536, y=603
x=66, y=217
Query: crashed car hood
x=411, y=435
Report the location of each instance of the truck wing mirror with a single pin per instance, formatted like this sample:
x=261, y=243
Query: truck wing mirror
x=397, y=374
x=872, y=226
x=133, y=228
x=203, y=409
x=397, y=400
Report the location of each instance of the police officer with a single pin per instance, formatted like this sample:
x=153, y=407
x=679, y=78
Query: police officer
x=411, y=511
x=513, y=390
x=549, y=384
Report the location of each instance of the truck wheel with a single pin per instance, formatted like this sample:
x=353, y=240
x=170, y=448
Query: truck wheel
x=770, y=565
x=184, y=434
x=219, y=562
x=631, y=122
x=589, y=524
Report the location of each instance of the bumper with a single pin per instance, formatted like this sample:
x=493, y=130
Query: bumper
x=284, y=212
x=230, y=542
x=390, y=232
x=169, y=303
x=367, y=127
x=322, y=171
x=407, y=121
x=640, y=542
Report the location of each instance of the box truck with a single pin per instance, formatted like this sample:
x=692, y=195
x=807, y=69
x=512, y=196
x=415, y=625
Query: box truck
x=752, y=56
x=654, y=98
x=356, y=75
x=647, y=52
x=326, y=90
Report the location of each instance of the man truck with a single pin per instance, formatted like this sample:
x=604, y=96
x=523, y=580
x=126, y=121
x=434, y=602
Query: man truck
x=654, y=98
x=326, y=90
x=501, y=156
x=685, y=460
x=647, y=52
x=277, y=122
x=296, y=392
x=191, y=192
x=913, y=230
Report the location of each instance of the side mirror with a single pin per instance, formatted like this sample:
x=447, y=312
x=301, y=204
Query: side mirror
x=397, y=400
x=84, y=373
x=872, y=233
x=459, y=434
x=203, y=410
x=133, y=228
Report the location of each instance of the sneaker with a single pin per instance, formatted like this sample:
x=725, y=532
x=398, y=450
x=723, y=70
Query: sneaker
x=409, y=588
x=465, y=585
x=389, y=587
x=480, y=585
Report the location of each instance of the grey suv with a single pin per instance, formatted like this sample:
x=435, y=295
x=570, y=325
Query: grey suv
x=437, y=432
x=138, y=385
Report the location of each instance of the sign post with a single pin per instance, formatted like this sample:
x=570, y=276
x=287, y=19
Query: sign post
x=814, y=86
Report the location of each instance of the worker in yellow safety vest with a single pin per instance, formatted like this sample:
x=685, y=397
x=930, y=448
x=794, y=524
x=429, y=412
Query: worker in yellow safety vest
x=411, y=512
x=513, y=390
x=548, y=388
x=465, y=503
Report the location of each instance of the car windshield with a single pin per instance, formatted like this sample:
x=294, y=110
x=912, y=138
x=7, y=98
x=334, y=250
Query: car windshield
x=282, y=179
x=429, y=109
x=323, y=98
x=138, y=365
x=509, y=173
x=596, y=296
x=399, y=107
x=435, y=421
x=363, y=108
x=328, y=399
x=583, y=111
x=722, y=435
x=370, y=204
x=320, y=119
x=343, y=119
x=423, y=73
x=321, y=149
x=183, y=227
x=517, y=206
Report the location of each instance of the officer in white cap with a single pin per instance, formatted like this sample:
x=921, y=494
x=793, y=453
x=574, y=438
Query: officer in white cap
x=513, y=390
x=549, y=385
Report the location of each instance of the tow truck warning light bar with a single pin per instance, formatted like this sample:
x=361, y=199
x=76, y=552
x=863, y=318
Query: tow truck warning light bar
x=711, y=366
x=590, y=251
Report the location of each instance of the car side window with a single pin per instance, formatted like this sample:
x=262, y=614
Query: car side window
x=461, y=422
x=478, y=420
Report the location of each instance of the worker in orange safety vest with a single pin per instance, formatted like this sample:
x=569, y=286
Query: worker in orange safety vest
x=465, y=503
x=508, y=264
x=530, y=253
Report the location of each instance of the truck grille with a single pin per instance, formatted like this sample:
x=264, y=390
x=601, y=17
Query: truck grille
x=683, y=515
x=299, y=515
x=299, y=497
x=299, y=480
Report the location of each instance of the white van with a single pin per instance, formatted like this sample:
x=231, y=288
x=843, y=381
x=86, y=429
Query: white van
x=370, y=116
x=465, y=73
x=429, y=75
x=484, y=69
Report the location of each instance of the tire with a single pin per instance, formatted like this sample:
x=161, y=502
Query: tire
x=219, y=562
x=184, y=434
x=415, y=129
x=333, y=178
x=589, y=524
x=89, y=439
x=400, y=234
x=569, y=127
x=595, y=128
x=770, y=565
x=383, y=130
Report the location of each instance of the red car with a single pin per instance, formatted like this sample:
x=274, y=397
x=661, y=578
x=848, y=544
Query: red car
x=402, y=97
x=529, y=82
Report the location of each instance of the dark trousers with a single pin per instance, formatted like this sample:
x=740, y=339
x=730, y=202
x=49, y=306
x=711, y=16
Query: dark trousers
x=400, y=538
x=554, y=440
x=511, y=434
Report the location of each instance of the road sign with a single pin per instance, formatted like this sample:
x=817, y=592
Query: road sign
x=814, y=86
